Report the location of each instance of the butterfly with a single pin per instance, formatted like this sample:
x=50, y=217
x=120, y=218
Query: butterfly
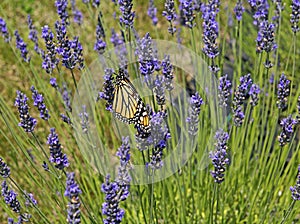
x=128, y=106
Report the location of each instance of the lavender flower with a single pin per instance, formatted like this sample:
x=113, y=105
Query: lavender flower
x=194, y=111
x=50, y=60
x=224, y=90
x=45, y=166
x=167, y=71
x=110, y=208
x=219, y=156
x=286, y=134
x=77, y=14
x=265, y=40
x=56, y=156
x=197, y=4
x=295, y=16
x=65, y=119
x=84, y=120
x=283, y=91
x=30, y=200
x=4, y=169
x=239, y=10
x=61, y=7
x=152, y=11
x=123, y=179
x=100, y=44
x=170, y=15
x=53, y=83
x=108, y=89
x=159, y=90
x=33, y=36
x=210, y=32
x=27, y=122
x=295, y=190
x=72, y=192
x=120, y=48
x=127, y=14
x=253, y=92
x=39, y=103
x=4, y=31
x=66, y=97
x=20, y=44
x=260, y=10
x=187, y=16
x=10, y=198
x=96, y=3
x=77, y=53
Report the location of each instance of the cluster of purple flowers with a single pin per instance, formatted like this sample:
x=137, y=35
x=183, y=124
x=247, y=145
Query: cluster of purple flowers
x=100, y=44
x=283, y=91
x=295, y=16
x=33, y=36
x=72, y=192
x=128, y=15
x=66, y=97
x=287, y=132
x=108, y=89
x=61, y=7
x=170, y=15
x=56, y=156
x=4, y=169
x=39, y=103
x=187, y=15
x=224, y=90
x=10, y=198
x=4, y=31
x=295, y=190
x=77, y=14
x=27, y=122
x=219, y=156
x=194, y=110
x=152, y=11
x=265, y=40
x=21, y=45
x=167, y=71
x=260, y=9
x=117, y=191
x=239, y=10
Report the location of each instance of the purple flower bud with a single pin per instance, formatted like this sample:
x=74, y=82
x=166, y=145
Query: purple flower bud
x=170, y=15
x=167, y=71
x=287, y=132
x=239, y=10
x=128, y=15
x=77, y=14
x=61, y=7
x=224, y=90
x=33, y=36
x=253, y=92
x=152, y=11
x=100, y=44
x=10, y=198
x=20, y=44
x=194, y=111
x=283, y=91
x=295, y=16
x=84, y=120
x=108, y=89
x=265, y=40
x=39, y=103
x=4, y=169
x=187, y=15
x=4, y=31
x=50, y=60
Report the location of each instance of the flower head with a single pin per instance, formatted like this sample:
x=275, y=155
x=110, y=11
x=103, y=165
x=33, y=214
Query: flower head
x=219, y=156
x=265, y=40
x=187, y=15
x=224, y=90
x=239, y=10
x=30, y=200
x=295, y=16
x=100, y=44
x=61, y=7
x=128, y=15
x=167, y=71
x=287, y=132
x=33, y=36
x=170, y=15
x=39, y=103
x=295, y=190
x=21, y=45
x=56, y=156
x=159, y=90
x=10, y=198
x=27, y=122
x=77, y=14
x=253, y=92
x=194, y=111
x=72, y=192
x=50, y=61
x=4, y=31
x=108, y=89
x=4, y=169
x=66, y=97
x=260, y=10
x=152, y=11
x=283, y=91
x=77, y=53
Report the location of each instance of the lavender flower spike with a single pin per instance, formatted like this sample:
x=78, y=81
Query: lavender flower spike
x=219, y=156
x=128, y=15
x=56, y=156
x=295, y=190
x=10, y=198
x=194, y=111
x=170, y=15
x=239, y=10
x=287, y=132
x=61, y=7
x=283, y=91
x=152, y=11
x=50, y=60
x=224, y=90
x=33, y=36
x=4, y=31
x=20, y=44
x=39, y=103
x=27, y=122
x=72, y=192
x=187, y=13
x=167, y=71
x=295, y=16
x=4, y=169
x=100, y=44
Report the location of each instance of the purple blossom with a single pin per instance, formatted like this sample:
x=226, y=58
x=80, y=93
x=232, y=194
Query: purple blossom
x=260, y=9
x=4, y=31
x=295, y=190
x=4, y=169
x=96, y=3
x=108, y=88
x=239, y=10
x=253, y=92
x=77, y=53
x=167, y=71
x=286, y=134
x=56, y=156
x=100, y=44
x=27, y=122
x=61, y=7
x=72, y=192
x=21, y=45
x=53, y=83
x=127, y=14
x=224, y=90
x=39, y=103
x=219, y=156
x=152, y=11
x=45, y=166
x=265, y=40
x=50, y=60
x=159, y=90
x=30, y=200
x=194, y=110
x=10, y=198
x=170, y=15
x=295, y=16
x=283, y=91
x=187, y=15
x=65, y=118
x=77, y=14
x=33, y=36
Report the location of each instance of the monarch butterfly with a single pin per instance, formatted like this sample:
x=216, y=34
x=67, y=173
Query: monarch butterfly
x=128, y=106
